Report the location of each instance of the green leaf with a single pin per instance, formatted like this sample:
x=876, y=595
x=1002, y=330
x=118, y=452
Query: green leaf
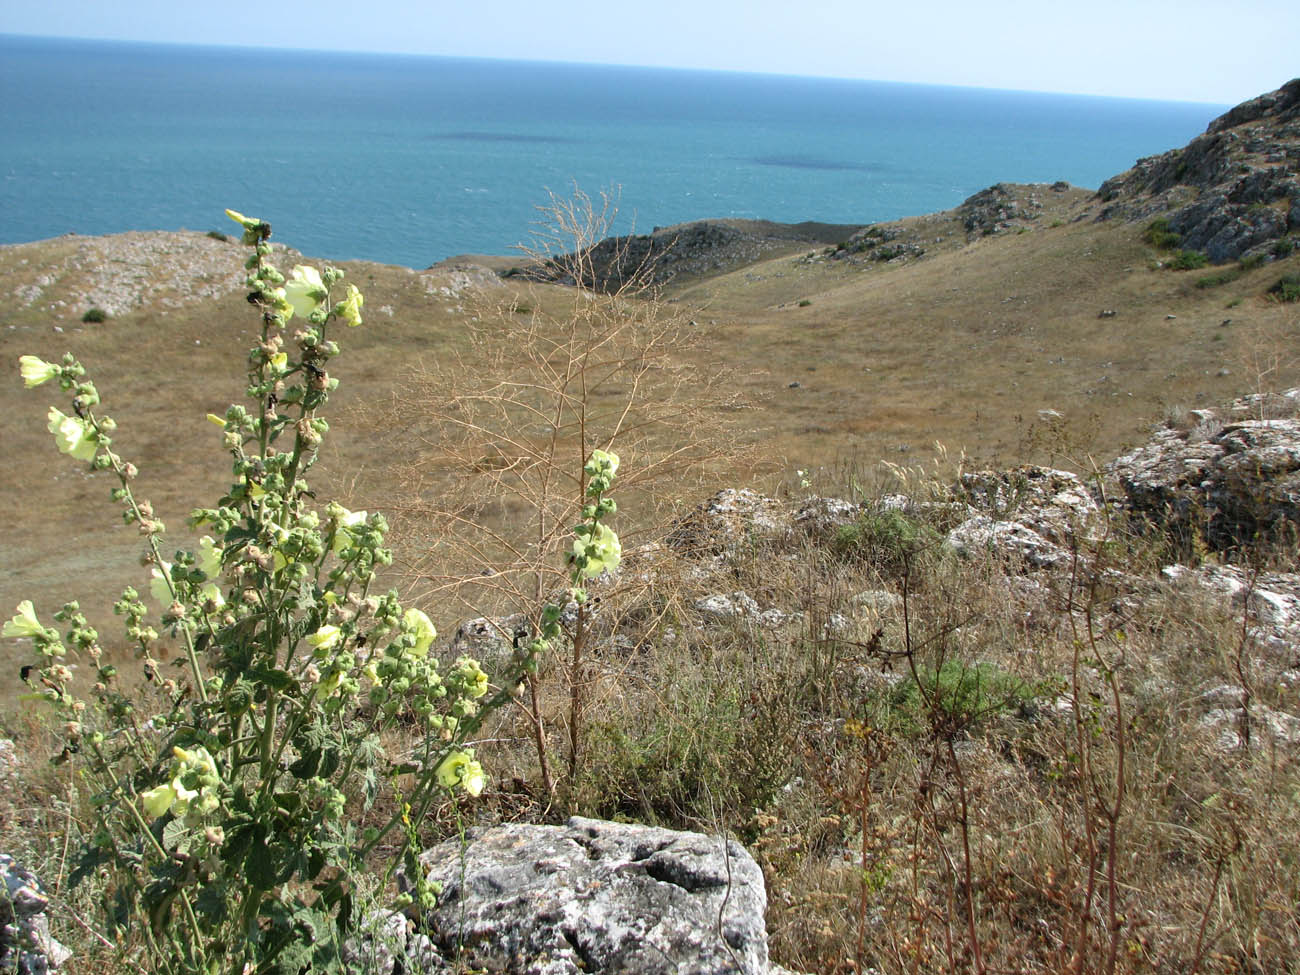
x=177, y=836
x=259, y=864
x=272, y=677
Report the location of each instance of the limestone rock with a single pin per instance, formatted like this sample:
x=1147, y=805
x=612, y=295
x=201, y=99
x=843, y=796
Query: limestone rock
x=819, y=515
x=489, y=639
x=593, y=896
x=26, y=946
x=982, y=534
x=1239, y=478
x=1270, y=600
x=1035, y=513
x=997, y=209
x=736, y=605
x=730, y=519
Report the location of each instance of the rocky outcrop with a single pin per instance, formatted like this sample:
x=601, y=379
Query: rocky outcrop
x=1032, y=513
x=1232, y=475
x=1230, y=192
x=997, y=209
x=26, y=946
x=731, y=518
x=706, y=246
x=589, y=896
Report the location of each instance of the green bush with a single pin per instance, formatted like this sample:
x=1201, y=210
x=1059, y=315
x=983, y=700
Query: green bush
x=1159, y=236
x=218, y=235
x=95, y=316
x=1287, y=287
x=1188, y=261
x=804, y=302
x=888, y=540
x=1284, y=247
x=957, y=697
x=1218, y=279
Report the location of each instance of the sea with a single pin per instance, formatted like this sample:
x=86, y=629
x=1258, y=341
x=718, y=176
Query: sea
x=409, y=160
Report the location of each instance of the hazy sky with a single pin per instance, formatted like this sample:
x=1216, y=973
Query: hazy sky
x=1188, y=50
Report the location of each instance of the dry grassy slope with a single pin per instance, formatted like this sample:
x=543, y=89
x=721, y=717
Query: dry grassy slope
x=161, y=366
x=963, y=345
x=966, y=344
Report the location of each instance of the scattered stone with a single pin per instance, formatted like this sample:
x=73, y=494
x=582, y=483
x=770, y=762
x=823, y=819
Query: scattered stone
x=821, y=515
x=730, y=518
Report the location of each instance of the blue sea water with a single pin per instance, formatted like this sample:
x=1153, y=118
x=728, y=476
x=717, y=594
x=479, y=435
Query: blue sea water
x=409, y=160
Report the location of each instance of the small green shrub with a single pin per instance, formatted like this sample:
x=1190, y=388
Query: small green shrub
x=1218, y=279
x=218, y=235
x=1188, y=261
x=1286, y=288
x=1251, y=262
x=1284, y=247
x=94, y=316
x=955, y=697
x=804, y=302
x=1159, y=236
x=889, y=540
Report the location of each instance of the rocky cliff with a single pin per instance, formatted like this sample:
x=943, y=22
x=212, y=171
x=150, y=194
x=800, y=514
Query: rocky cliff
x=1232, y=192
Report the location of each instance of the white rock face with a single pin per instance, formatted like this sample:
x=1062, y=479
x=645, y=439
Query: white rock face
x=594, y=896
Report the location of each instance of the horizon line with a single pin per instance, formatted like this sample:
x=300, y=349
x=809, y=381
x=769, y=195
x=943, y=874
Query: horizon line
x=212, y=45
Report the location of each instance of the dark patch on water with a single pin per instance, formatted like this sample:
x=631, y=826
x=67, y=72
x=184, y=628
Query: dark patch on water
x=498, y=137
x=801, y=162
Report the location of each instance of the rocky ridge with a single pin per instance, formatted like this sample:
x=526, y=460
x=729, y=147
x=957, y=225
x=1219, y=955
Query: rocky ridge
x=1232, y=192
x=702, y=247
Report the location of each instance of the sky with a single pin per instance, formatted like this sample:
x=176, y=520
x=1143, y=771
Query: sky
x=1175, y=50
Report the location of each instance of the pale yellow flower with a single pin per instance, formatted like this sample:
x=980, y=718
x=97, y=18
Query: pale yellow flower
x=36, y=371
x=248, y=223
x=325, y=638
x=349, y=309
x=158, y=800
x=473, y=778
x=72, y=435
x=24, y=623
x=160, y=584
x=605, y=459
x=209, y=557
x=305, y=290
x=601, y=549
x=347, y=521
x=421, y=627
x=460, y=769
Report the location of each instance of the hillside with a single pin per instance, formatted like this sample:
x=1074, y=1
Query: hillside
x=962, y=327
x=966, y=598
